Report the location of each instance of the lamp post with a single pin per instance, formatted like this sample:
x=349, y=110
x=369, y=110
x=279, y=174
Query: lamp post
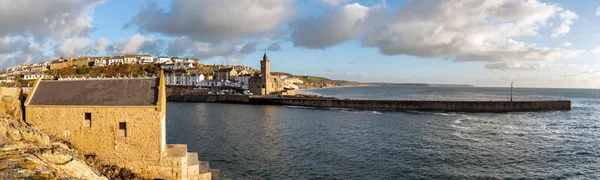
x=511, y=91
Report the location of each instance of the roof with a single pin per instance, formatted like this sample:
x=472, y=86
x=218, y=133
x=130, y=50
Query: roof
x=225, y=70
x=107, y=92
x=34, y=73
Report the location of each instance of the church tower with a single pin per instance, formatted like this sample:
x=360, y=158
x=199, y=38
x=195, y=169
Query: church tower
x=265, y=70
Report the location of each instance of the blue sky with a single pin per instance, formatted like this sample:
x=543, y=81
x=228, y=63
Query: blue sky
x=485, y=43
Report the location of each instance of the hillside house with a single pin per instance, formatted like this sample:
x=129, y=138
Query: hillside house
x=145, y=59
x=130, y=59
x=225, y=74
x=116, y=60
x=35, y=75
x=162, y=59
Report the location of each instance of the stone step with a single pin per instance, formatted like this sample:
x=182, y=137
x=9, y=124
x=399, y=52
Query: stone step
x=176, y=150
x=192, y=159
x=204, y=167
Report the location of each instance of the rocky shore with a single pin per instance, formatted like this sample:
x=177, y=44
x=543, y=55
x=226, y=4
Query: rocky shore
x=28, y=153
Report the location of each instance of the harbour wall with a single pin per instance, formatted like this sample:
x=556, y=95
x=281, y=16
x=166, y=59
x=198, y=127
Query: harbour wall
x=417, y=105
x=196, y=97
x=396, y=105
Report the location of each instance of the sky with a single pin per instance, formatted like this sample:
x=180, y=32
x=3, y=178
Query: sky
x=533, y=43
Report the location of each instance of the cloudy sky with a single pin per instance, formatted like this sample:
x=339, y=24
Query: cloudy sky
x=534, y=43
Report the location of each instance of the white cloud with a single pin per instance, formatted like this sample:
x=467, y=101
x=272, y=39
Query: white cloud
x=10, y=44
x=214, y=21
x=334, y=2
x=101, y=45
x=232, y=51
x=472, y=30
x=72, y=47
x=596, y=50
x=274, y=47
x=18, y=50
x=42, y=19
x=567, y=17
x=567, y=44
x=135, y=44
x=331, y=28
x=35, y=22
x=598, y=11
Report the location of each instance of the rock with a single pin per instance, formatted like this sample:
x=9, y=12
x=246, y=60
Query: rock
x=13, y=134
x=3, y=128
x=28, y=136
x=43, y=141
x=56, y=157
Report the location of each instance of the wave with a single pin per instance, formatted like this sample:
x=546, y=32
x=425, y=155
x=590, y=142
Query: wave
x=361, y=112
x=300, y=107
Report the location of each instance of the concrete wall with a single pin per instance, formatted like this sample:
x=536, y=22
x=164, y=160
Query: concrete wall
x=457, y=106
x=207, y=98
x=139, y=150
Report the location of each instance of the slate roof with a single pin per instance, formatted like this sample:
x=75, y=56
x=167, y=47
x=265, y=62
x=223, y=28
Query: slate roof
x=106, y=92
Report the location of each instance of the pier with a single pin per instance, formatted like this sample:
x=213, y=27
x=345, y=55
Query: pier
x=391, y=105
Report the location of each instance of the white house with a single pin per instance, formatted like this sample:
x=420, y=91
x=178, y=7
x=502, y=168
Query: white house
x=130, y=59
x=191, y=60
x=7, y=80
x=184, y=80
x=35, y=75
x=100, y=62
x=211, y=83
x=145, y=59
x=168, y=65
x=194, y=79
x=176, y=59
x=162, y=59
x=181, y=65
x=116, y=60
x=242, y=81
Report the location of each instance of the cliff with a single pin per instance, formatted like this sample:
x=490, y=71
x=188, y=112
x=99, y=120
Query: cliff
x=320, y=82
x=28, y=153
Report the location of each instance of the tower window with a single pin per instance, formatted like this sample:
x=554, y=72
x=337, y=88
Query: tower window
x=122, y=129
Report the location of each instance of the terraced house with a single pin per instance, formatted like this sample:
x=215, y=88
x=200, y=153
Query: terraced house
x=117, y=121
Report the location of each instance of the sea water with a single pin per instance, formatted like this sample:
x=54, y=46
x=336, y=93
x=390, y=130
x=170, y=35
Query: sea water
x=289, y=142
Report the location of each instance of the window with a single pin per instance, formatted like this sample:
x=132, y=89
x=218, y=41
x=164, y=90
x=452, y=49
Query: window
x=87, y=122
x=122, y=129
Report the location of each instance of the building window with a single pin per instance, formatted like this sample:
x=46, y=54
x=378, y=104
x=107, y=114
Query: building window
x=122, y=129
x=87, y=122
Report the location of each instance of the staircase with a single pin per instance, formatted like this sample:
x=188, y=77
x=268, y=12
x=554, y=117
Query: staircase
x=177, y=163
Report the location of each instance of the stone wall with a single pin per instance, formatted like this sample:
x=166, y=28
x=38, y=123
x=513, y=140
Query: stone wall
x=138, y=151
x=197, y=97
x=6, y=91
x=456, y=106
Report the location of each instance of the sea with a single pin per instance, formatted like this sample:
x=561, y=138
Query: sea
x=290, y=142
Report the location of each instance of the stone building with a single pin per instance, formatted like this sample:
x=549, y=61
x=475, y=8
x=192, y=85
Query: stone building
x=266, y=83
x=61, y=63
x=225, y=74
x=116, y=121
x=39, y=68
x=82, y=61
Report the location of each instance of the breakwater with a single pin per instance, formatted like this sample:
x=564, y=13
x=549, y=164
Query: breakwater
x=413, y=105
x=396, y=105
